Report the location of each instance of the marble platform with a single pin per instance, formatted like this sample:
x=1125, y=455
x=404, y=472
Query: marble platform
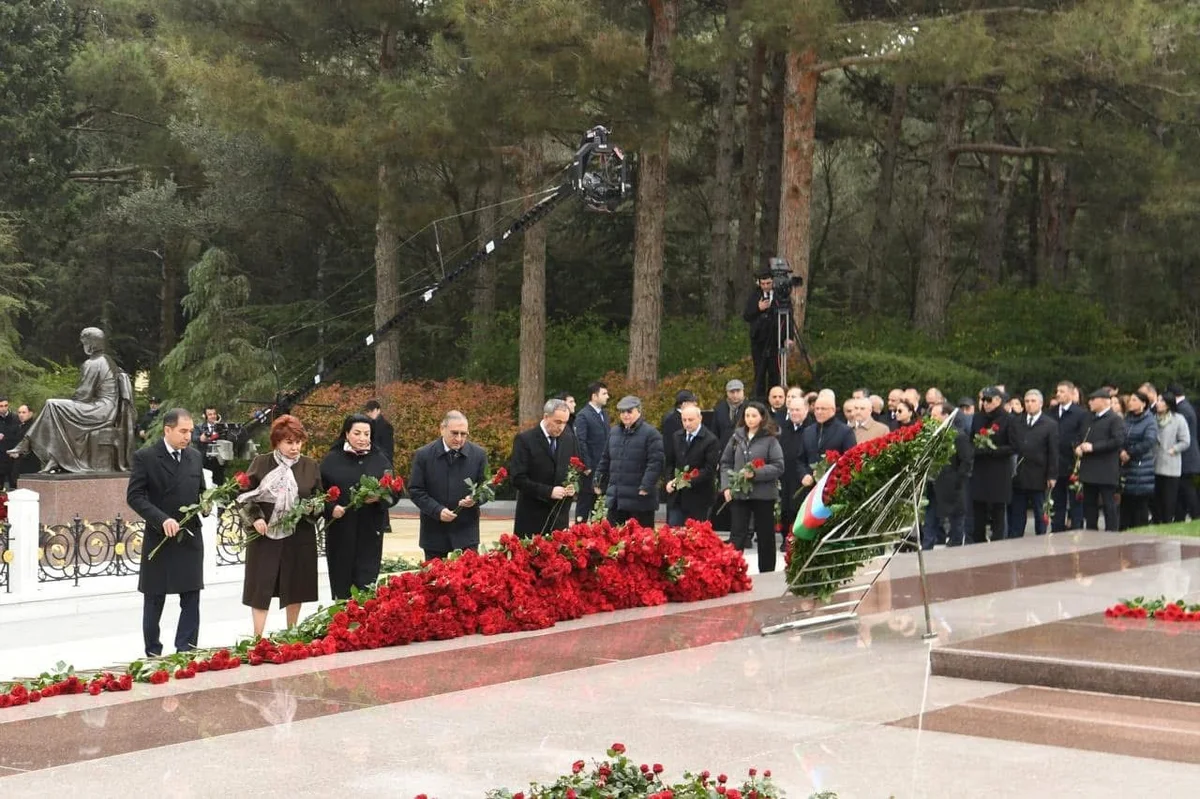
x=97, y=496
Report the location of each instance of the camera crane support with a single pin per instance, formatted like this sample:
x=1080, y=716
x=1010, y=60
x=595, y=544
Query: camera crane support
x=598, y=174
x=782, y=281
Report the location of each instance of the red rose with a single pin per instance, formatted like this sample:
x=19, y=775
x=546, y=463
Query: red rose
x=757, y=463
x=125, y=682
x=5, y=700
x=35, y=696
x=658, y=768
x=577, y=766
x=243, y=480
x=577, y=463
x=722, y=778
x=767, y=773
x=618, y=748
x=333, y=494
x=95, y=688
x=397, y=483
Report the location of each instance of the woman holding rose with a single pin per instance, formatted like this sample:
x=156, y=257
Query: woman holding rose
x=754, y=449
x=354, y=536
x=280, y=562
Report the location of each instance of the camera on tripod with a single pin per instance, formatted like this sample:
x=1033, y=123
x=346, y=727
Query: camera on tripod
x=782, y=281
x=222, y=448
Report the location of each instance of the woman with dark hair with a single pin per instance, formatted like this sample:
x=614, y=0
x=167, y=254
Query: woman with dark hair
x=906, y=414
x=280, y=563
x=1174, y=438
x=754, y=440
x=354, y=538
x=1137, y=461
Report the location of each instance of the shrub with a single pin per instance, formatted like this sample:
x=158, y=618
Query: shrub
x=415, y=411
x=845, y=370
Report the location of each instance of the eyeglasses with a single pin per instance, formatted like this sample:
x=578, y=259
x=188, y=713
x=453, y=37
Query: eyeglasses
x=456, y=434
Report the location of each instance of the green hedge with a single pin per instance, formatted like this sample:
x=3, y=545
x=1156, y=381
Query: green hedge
x=848, y=369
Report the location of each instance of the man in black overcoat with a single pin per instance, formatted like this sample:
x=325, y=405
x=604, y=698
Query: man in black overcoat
x=946, y=514
x=1071, y=419
x=727, y=414
x=10, y=436
x=672, y=422
x=1035, y=438
x=383, y=435
x=591, y=437
x=167, y=476
x=437, y=486
x=1100, y=462
x=770, y=326
x=1188, y=503
x=991, y=479
x=538, y=470
x=791, y=434
x=828, y=433
x=692, y=447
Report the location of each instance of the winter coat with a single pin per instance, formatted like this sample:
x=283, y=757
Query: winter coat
x=632, y=463
x=1141, y=442
x=740, y=452
x=991, y=479
x=1173, y=440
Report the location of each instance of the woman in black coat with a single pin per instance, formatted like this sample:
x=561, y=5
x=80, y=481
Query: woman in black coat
x=354, y=538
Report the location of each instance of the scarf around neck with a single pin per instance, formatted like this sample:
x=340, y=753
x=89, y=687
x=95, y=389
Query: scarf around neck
x=278, y=487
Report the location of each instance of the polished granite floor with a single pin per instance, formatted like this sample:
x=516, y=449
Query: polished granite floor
x=853, y=709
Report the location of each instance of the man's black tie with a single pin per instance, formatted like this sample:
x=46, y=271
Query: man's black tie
x=689, y=438
x=175, y=455
x=553, y=445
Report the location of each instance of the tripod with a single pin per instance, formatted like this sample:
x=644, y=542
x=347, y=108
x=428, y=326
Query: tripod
x=783, y=334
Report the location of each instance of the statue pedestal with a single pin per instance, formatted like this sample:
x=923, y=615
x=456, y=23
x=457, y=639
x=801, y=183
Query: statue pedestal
x=94, y=496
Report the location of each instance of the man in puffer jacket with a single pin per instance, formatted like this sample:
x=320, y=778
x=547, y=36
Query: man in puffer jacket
x=630, y=467
x=1137, y=462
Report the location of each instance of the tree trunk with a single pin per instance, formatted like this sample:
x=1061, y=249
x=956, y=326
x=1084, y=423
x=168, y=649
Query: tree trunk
x=1033, y=220
x=997, y=201
x=752, y=152
x=795, y=204
x=768, y=223
x=933, y=275
x=532, y=385
x=168, y=298
x=483, y=298
x=1053, y=250
x=722, y=200
x=645, y=325
x=387, y=241
x=881, y=226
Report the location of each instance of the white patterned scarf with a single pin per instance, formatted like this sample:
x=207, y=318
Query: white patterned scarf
x=277, y=487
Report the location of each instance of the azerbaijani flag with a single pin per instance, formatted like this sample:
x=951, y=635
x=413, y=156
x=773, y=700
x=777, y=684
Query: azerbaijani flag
x=814, y=511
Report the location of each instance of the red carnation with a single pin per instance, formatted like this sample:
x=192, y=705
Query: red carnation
x=125, y=682
x=500, y=476
x=757, y=463
x=243, y=480
x=35, y=696
x=578, y=464
x=333, y=494
x=386, y=482
x=831, y=456
x=995, y=428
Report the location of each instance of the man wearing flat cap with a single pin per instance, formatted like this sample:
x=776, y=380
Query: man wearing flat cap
x=630, y=467
x=765, y=316
x=727, y=415
x=1100, y=462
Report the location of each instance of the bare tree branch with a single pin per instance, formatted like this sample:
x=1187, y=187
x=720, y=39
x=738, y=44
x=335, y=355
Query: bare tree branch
x=854, y=61
x=995, y=148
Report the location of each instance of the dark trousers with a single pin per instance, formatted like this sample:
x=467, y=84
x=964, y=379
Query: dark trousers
x=430, y=554
x=8, y=471
x=1064, y=500
x=1135, y=510
x=1094, y=497
x=585, y=500
x=675, y=516
x=187, y=633
x=950, y=531
x=643, y=517
x=1187, y=502
x=1018, y=510
x=353, y=557
x=993, y=513
x=766, y=369
x=1166, y=496
x=762, y=512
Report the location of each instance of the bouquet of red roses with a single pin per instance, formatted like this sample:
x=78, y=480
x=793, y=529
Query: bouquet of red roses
x=983, y=439
x=379, y=489
x=486, y=491
x=221, y=495
x=684, y=477
x=305, y=508
x=741, y=481
x=575, y=469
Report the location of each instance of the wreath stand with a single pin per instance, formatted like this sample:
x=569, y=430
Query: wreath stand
x=872, y=535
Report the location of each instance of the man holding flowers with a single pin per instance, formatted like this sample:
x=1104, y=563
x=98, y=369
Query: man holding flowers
x=691, y=466
x=444, y=474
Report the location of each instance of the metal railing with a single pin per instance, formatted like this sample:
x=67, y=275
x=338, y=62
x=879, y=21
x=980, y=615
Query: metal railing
x=6, y=556
x=82, y=549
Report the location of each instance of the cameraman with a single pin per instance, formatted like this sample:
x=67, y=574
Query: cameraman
x=208, y=431
x=770, y=322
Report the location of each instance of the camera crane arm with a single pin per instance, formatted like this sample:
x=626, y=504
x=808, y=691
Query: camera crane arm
x=598, y=174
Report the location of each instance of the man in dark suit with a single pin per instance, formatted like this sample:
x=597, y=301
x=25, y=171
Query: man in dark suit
x=166, y=477
x=27, y=463
x=438, y=487
x=727, y=415
x=672, y=422
x=1035, y=438
x=591, y=436
x=791, y=435
x=1188, y=503
x=946, y=514
x=1100, y=462
x=692, y=447
x=538, y=470
x=770, y=326
x=1071, y=420
x=383, y=435
x=10, y=436
x=829, y=433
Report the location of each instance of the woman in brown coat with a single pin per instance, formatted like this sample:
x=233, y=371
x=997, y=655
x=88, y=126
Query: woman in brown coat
x=280, y=563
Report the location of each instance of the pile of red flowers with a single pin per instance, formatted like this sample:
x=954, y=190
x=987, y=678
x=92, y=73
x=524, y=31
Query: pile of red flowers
x=848, y=464
x=19, y=694
x=1161, y=609
x=619, y=778
x=519, y=585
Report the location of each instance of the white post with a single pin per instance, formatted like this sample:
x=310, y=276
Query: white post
x=208, y=531
x=24, y=518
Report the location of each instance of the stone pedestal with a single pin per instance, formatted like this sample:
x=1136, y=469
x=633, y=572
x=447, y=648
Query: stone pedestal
x=94, y=496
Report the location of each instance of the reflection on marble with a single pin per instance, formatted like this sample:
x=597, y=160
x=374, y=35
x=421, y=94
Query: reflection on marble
x=1120, y=725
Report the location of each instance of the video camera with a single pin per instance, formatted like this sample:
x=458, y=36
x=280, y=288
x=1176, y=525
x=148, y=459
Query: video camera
x=782, y=281
x=222, y=448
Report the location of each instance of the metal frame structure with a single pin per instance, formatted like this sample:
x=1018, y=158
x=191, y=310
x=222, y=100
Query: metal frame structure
x=877, y=529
